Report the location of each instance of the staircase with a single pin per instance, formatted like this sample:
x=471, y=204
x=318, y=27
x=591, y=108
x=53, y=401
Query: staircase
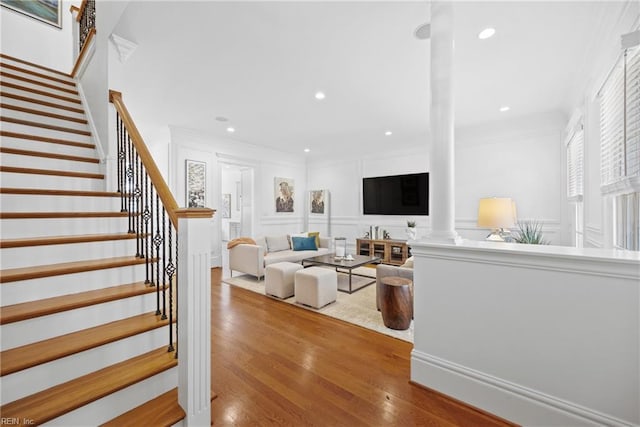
x=81, y=342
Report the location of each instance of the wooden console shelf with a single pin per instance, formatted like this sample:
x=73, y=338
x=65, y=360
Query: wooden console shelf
x=393, y=252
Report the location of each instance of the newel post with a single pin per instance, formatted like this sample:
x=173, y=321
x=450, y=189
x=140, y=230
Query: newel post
x=194, y=314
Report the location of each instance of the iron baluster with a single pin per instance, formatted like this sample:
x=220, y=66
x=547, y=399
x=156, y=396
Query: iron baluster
x=146, y=215
x=157, y=240
x=164, y=266
x=170, y=272
x=130, y=180
x=138, y=210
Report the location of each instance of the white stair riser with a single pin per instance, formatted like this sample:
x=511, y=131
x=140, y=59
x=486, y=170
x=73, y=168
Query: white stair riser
x=45, y=203
x=38, y=70
x=39, y=118
x=118, y=403
x=53, y=254
x=23, y=228
x=54, y=91
x=21, y=161
x=50, y=182
x=40, y=107
x=45, y=327
x=46, y=98
x=23, y=383
x=49, y=133
x=47, y=147
x=37, y=78
x=54, y=286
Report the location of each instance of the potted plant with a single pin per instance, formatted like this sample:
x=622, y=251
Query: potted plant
x=412, y=232
x=530, y=232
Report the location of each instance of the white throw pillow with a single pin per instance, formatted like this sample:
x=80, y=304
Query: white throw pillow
x=277, y=243
x=408, y=263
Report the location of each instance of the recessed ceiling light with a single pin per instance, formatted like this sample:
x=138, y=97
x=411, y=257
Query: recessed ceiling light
x=319, y=95
x=306, y=150
x=504, y=108
x=231, y=130
x=221, y=119
x=387, y=133
x=486, y=33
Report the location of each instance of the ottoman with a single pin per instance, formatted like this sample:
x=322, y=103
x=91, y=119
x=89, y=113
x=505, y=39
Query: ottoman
x=279, y=277
x=316, y=286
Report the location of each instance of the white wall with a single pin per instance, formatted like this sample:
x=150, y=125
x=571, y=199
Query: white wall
x=518, y=158
x=267, y=164
x=39, y=42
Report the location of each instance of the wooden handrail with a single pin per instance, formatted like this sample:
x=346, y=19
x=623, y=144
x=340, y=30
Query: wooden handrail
x=155, y=176
x=83, y=52
x=81, y=10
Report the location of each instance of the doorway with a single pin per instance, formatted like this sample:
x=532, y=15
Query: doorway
x=237, y=201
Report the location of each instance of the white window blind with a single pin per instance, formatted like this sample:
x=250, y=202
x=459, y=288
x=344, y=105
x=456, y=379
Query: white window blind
x=620, y=120
x=575, y=164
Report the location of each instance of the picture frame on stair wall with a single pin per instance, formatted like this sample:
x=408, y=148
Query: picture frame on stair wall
x=47, y=11
x=196, y=183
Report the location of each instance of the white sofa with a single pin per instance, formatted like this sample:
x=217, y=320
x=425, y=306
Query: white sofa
x=252, y=259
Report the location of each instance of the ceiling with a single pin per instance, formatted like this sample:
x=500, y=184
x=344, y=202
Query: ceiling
x=259, y=64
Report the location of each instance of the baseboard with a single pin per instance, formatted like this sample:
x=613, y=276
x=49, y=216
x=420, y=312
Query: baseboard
x=502, y=398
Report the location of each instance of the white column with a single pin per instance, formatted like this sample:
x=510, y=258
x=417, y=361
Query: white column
x=442, y=180
x=194, y=315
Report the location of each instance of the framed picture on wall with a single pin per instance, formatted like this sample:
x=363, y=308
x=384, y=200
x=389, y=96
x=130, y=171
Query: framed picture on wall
x=226, y=205
x=319, y=202
x=196, y=181
x=47, y=11
x=283, y=194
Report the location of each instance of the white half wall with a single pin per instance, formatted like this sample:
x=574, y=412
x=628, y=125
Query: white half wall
x=539, y=335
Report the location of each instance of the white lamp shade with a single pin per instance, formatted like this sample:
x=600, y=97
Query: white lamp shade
x=496, y=212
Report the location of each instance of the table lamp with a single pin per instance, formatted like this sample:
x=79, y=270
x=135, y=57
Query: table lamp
x=498, y=214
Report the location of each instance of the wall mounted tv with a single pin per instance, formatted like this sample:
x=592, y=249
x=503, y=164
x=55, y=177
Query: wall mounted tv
x=396, y=195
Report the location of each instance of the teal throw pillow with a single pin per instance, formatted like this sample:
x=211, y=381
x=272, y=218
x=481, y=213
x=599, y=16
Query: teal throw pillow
x=304, y=243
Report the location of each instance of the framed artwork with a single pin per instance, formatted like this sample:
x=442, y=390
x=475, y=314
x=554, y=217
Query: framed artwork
x=47, y=11
x=283, y=195
x=319, y=202
x=226, y=205
x=196, y=179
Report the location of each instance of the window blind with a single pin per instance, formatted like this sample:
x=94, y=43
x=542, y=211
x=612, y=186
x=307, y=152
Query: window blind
x=620, y=120
x=575, y=164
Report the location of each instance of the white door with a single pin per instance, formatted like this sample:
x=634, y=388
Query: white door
x=246, y=200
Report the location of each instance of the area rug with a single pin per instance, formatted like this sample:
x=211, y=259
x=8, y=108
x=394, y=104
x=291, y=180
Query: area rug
x=358, y=308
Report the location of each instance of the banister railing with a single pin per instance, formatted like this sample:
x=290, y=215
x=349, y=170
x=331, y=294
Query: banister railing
x=152, y=208
x=87, y=19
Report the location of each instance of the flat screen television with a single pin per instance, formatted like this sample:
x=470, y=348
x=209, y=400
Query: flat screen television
x=396, y=195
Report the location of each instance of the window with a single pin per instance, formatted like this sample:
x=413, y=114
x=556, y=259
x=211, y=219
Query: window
x=619, y=101
x=575, y=184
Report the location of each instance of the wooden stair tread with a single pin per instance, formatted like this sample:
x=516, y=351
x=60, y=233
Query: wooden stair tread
x=51, y=172
x=163, y=411
x=62, y=240
x=34, y=73
x=42, y=215
x=45, y=307
x=17, y=151
x=41, y=102
x=27, y=356
x=43, y=113
x=46, y=139
x=61, y=399
x=22, y=61
x=40, y=92
x=45, y=126
x=10, y=75
x=48, y=192
x=26, y=273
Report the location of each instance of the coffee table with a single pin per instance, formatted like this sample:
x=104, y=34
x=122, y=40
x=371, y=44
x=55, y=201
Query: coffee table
x=343, y=264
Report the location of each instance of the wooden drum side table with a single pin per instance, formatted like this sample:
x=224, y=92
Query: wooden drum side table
x=396, y=302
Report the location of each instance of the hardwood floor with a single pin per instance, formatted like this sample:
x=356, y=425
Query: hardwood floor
x=277, y=364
